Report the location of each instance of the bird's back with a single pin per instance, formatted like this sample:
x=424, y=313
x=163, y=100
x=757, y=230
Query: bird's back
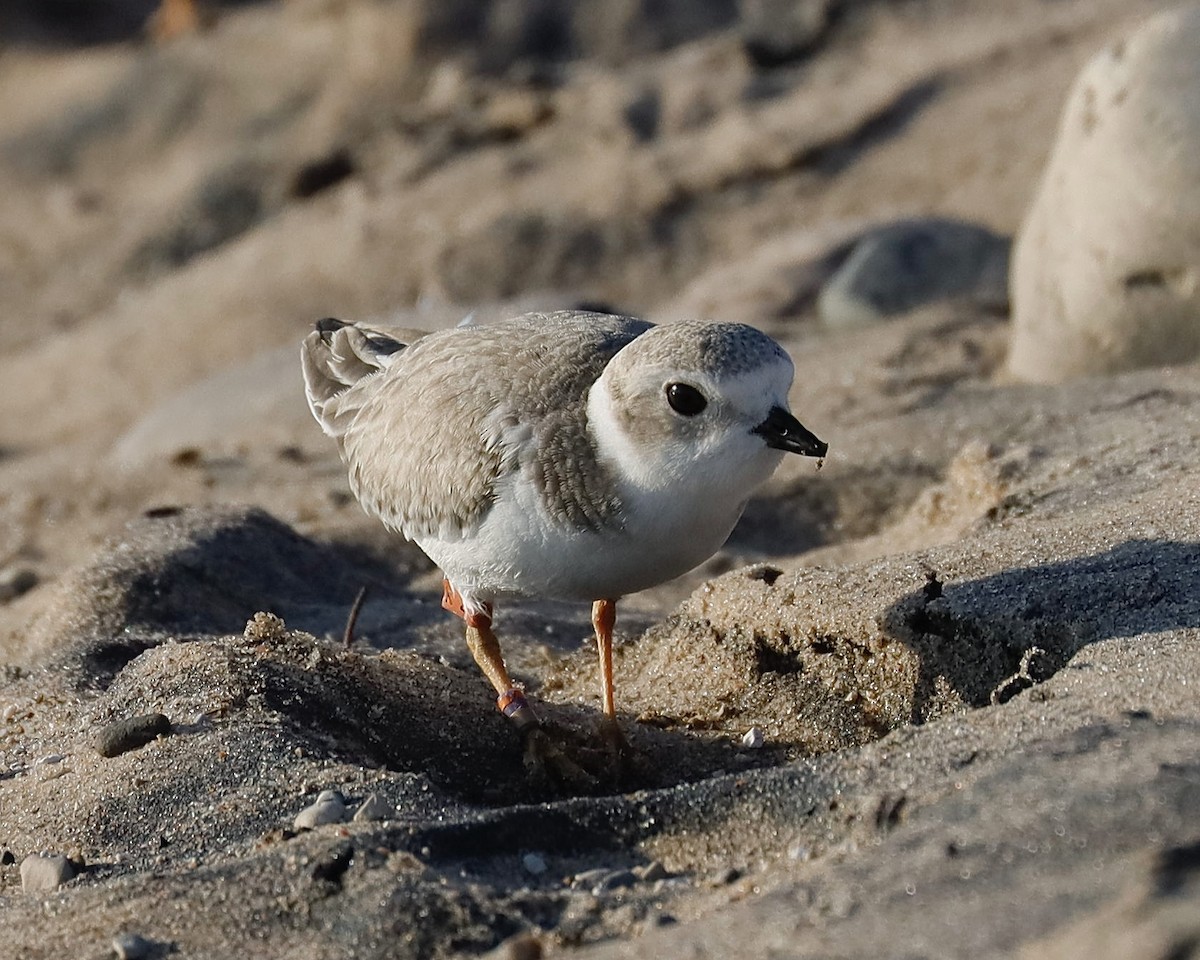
x=428, y=428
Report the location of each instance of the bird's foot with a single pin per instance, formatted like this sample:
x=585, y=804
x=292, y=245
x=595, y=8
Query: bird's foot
x=547, y=760
x=624, y=761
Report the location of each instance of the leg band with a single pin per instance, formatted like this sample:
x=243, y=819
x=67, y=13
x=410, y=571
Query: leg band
x=512, y=704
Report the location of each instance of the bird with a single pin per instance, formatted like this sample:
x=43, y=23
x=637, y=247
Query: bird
x=568, y=455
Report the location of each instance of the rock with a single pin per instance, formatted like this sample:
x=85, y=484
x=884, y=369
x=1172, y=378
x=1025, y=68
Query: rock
x=535, y=864
x=43, y=872
x=133, y=946
x=121, y=736
x=776, y=32
x=330, y=807
x=651, y=872
x=374, y=808
x=16, y=580
x=753, y=738
x=614, y=880
x=912, y=263
x=1105, y=274
x=521, y=946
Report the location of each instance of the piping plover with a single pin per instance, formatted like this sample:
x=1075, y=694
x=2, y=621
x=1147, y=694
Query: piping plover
x=569, y=455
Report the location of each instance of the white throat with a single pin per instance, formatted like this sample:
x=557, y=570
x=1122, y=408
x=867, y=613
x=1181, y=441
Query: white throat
x=614, y=445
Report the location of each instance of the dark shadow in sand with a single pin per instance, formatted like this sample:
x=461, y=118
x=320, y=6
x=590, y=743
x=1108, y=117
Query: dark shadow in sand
x=196, y=573
x=993, y=637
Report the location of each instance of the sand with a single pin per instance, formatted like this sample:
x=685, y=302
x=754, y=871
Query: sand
x=968, y=642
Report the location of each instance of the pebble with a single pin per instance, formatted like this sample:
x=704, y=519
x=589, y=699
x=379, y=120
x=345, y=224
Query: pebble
x=133, y=946
x=652, y=872
x=589, y=878
x=775, y=32
x=15, y=581
x=330, y=807
x=121, y=736
x=43, y=872
x=374, y=808
x=899, y=266
x=534, y=863
x=753, y=738
x=722, y=878
x=614, y=880
x=522, y=946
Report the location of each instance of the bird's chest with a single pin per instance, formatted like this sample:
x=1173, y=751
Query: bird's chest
x=524, y=548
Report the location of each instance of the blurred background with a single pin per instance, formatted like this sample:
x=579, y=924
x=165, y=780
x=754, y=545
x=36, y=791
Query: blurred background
x=186, y=185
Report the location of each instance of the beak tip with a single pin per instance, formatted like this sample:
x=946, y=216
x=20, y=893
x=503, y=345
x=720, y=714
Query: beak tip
x=782, y=431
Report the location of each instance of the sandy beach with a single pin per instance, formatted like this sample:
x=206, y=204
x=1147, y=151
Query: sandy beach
x=934, y=699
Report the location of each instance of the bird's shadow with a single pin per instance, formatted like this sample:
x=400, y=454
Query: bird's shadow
x=992, y=637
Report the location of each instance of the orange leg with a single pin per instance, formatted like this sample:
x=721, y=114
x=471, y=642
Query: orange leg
x=604, y=617
x=485, y=648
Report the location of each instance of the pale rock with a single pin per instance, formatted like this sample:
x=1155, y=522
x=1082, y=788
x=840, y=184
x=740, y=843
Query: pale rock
x=1106, y=270
x=330, y=807
x=374, y=808
x=43, y=872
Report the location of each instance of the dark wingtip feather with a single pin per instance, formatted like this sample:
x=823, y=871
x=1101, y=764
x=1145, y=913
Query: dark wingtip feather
x=329, y=325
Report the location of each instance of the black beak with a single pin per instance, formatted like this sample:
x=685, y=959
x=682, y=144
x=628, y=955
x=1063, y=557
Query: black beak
x=784, y=432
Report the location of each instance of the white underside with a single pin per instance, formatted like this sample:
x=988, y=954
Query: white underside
x=519, y=551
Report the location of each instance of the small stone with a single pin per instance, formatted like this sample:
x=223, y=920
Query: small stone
x=133, y=946
x=522, y=946
x=614, y=880
x=7, y=858
x=910, y=263
x=534, y=863
x=43, y=872
x=15, y=581
x=753, y=738
x=330, y=807
x=589, y=878
x=775, y=32
x=800, y=851
x=722, y=878
x=652, y=872
x=121, y=736
x=374, y=808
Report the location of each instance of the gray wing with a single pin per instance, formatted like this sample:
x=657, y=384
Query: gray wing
x=460, y=409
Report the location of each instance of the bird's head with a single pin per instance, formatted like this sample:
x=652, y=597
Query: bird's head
x=702, y=404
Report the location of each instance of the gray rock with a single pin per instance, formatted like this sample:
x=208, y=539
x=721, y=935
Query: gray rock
x=121, y=736
x=535, y=864
x=589, y=878
x=330, y=807
x=912, y=263
x=133, y=946
x=1105, y=272
x=652, y=872
x=775, y=32
x=16, y=580
x=374, y=808
x=43, y=872
x=521, y=946
x=614, y=880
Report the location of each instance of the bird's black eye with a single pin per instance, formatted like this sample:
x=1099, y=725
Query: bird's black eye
x=685, y=399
